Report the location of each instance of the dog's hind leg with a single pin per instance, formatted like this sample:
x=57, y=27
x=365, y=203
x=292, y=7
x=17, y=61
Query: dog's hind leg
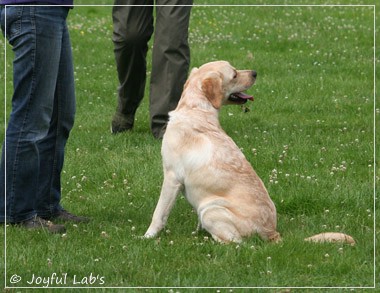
x=217, y=221
x=169, y=191
x=270, y=235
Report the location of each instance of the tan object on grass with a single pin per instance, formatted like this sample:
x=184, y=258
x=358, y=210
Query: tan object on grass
x=331, y=237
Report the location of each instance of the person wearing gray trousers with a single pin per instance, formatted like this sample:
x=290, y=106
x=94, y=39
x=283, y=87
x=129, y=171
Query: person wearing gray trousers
x=132, y=29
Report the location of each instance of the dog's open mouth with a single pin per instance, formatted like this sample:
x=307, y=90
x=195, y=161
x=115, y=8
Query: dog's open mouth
x=240, y=98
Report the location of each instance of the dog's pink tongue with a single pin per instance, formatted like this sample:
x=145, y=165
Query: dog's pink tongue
x=244, y=96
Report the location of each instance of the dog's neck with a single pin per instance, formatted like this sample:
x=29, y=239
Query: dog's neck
x=194, y=99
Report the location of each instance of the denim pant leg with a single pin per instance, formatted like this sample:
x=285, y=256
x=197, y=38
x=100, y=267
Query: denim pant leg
x=33, y=144
x=52, y=147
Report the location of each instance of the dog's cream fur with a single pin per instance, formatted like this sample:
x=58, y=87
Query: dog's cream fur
x=199, y=157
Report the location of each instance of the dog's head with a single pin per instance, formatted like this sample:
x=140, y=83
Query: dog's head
x=222, y=84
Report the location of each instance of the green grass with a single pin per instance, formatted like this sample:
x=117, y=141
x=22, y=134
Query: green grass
x=308, y=134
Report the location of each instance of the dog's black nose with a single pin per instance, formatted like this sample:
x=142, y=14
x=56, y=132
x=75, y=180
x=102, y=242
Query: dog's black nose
x=254, y=73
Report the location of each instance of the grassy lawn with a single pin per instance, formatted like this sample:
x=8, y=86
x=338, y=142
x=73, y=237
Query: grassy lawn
x=309, y=134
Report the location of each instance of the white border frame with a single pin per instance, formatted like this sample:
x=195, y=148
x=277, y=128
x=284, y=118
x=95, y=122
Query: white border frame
x=6, y=281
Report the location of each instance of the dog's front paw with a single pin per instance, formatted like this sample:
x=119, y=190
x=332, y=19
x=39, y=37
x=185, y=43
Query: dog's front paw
x=149, y=235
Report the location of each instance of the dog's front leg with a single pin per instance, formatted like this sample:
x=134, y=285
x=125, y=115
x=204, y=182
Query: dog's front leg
x=169, y=191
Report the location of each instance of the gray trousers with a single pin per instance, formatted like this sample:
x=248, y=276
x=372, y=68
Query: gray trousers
x=133, y=28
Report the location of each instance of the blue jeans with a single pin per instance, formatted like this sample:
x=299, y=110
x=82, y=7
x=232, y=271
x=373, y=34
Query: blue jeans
x=43, y=109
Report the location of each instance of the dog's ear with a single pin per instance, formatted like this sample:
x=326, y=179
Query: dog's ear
x=212, y=88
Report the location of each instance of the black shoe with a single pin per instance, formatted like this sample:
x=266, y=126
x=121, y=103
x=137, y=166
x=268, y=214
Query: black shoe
x=115, y=129
x=121, y=124
x=39, y=223
x=159, y=133
x=65, y=216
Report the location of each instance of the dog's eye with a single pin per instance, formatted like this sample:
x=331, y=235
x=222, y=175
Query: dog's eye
x=235, y=74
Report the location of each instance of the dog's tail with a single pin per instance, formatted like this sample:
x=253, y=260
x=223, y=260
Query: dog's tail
x=332, y=237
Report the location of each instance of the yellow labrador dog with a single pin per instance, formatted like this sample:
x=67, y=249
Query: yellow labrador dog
x=199, y=157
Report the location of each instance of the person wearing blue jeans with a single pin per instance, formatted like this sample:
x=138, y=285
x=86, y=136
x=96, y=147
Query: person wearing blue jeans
x=42, y=116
